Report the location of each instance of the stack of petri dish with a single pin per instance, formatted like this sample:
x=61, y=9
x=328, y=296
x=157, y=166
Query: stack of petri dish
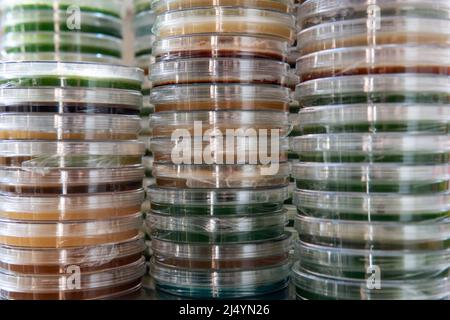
x=63, y=30
x=221, y=92
x=373, y=178
x=70, y=181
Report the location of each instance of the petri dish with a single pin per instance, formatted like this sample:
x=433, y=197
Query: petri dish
x=221, y=176
x=223, y=257
x=71, y=207
x=217, y=202
x=39, y=155
x=42, y=126
x=105, y=285
x=376, y=235
x=42, y=234
x=226, y=20
x=220, y=97
x=384, y=30
x=407, y=118
x=143, y=23
x=220, y=70
x=216, y=230
x=70, y=100
x=399, y=265
x=214, y=45
x=375, y=177
x=323, y=11
x=220, y=123
x=220, y=284
x=23, y=74
x=64, y=181
x=375, y=89
x=373, y=148
x=36, y=261
x=311, y=286
x=235, y=150
x=380, y=59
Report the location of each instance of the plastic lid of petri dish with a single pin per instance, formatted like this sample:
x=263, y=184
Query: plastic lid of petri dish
x=353, y=263
x=378, y=235
x=91, y=257
x=312, y=286
x=215, y=123
x=161, y=6
x=113, y=7
x=368, y=147
x=242, y=150
x=63, y=181
x=400, y=88
x=69, y=100
x=143, y=23
x=69, y=74
x=40, y=46
x=375, y=177
x=41, y=234
x=383, y=59
x=221, y=176
x=41, y=126
x=220, y=284
x=219, y=46
x=210, y=97
x=389, y=30
x=322, y=11
x=112, y=281
x=164, y=251
x=220, y=70
x=384, y=117
x=70, y=207
x=373, y=206
x=226, y=20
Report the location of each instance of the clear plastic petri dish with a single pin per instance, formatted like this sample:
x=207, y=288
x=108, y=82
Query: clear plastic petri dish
x=378, y=118
x=71, y=207
x=384, y=30
x=70, y=100
x=63, y=181
x=226, y=20
x=387, y=207
x=375, y=177
x=323, y=11
x=36, y=20
x=110, y=8
x=376, y=235
x=162, y=6
x=220, y=46
x=375, y=89
x=312, y=286
x=400, y=265
x=424, y=149
x=42, y=234
x=217, y=202
x=48, y=46
x=23, y=74
x=42, y=261
x=223, y=257
x=220, y=70
x=220, y=284
x=220, y=97
x=142, y=6
x=108, y=284
x=380, y=59
x=242, y=123
x=143, y=48
x=216, y=230
x=143, y=23
x=221, y=176
x=234, y=150
x=42, y=126
x=41, y=155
